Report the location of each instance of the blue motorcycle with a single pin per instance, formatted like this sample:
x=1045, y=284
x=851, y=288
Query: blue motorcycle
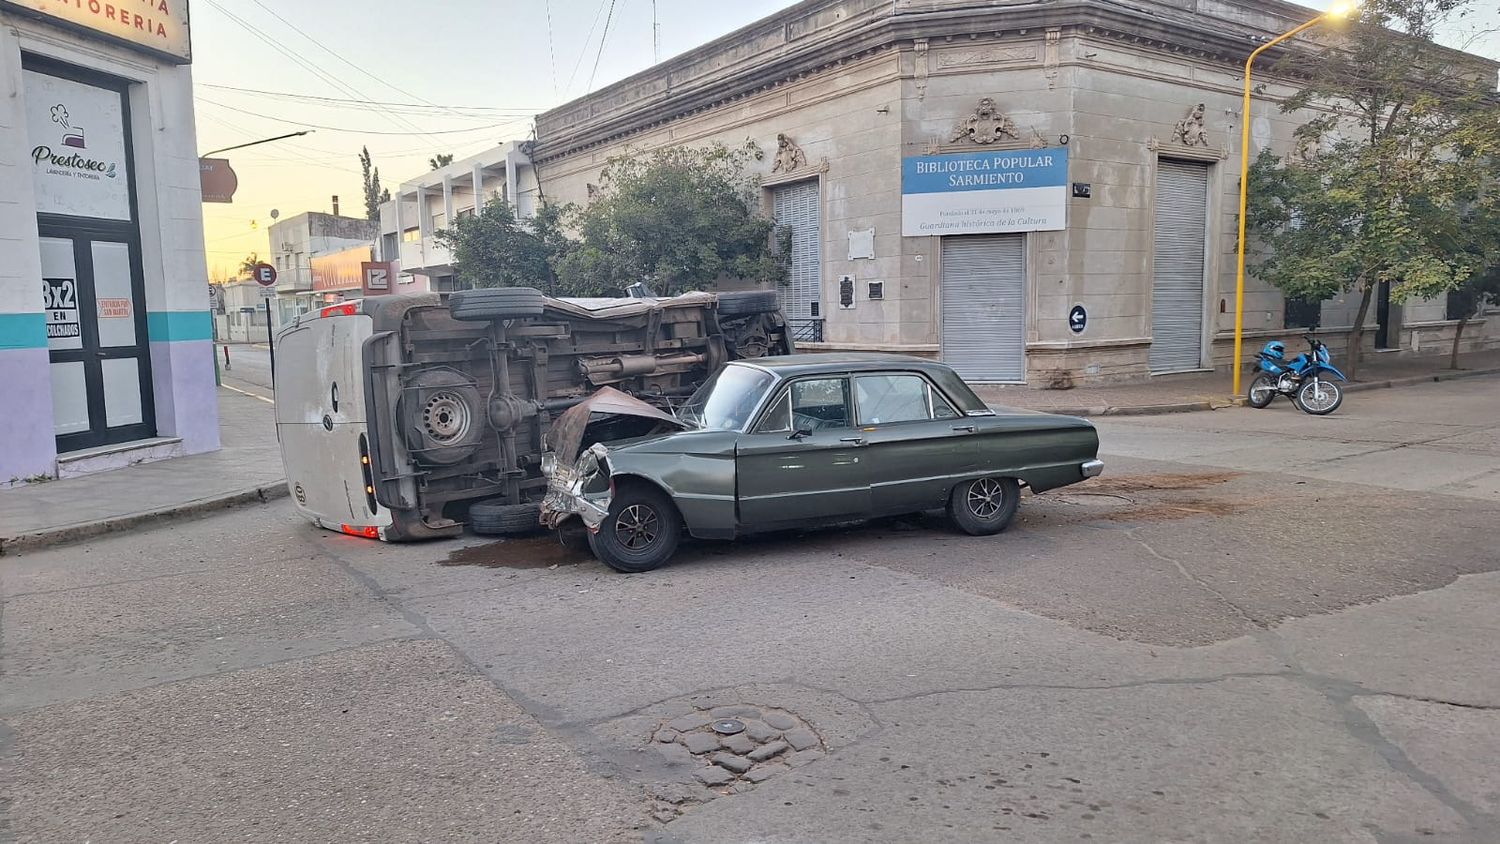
x=1301, y=379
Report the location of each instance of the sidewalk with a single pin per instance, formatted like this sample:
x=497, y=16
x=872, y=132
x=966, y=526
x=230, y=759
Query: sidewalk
x=246, y=469
x=1208, y=391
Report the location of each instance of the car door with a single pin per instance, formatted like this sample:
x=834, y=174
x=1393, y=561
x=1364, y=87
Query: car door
x=918, y=444
x=803, y=462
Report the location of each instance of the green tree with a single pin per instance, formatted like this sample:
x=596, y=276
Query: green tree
x=1397, y=153
x=677, y=218
x=247, y=265
x=374, y=194
x=496, y=249
x=442, y=159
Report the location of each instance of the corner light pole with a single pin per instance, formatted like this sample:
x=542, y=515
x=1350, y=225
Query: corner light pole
x=1337, y=11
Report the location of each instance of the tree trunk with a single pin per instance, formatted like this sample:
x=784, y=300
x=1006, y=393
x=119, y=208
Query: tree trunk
x=1357, y=334
x=1458, y=334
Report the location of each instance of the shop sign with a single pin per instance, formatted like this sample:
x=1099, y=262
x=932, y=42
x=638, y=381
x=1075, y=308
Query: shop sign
x=340, y=270
x=217, y=179
x=377, y=277
x=77, y=148
x=984, y=192
x=157, y=26
x=114, y=308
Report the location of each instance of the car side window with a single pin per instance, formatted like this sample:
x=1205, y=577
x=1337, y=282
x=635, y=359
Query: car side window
x=820, y=404
x=884, y=399
x=778, y=419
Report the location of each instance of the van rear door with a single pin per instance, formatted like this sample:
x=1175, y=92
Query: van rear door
x=320, y=421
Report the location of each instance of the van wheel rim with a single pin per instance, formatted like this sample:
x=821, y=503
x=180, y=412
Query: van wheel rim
x=986, y=497
x=446, y=417
x=637, y=527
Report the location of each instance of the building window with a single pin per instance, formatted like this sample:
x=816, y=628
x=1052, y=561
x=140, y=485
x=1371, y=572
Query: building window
x=1302, y=313
x=411, y=235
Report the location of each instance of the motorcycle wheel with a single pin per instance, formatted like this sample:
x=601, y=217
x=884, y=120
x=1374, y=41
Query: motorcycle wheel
x=1262, y=391
x=1319, y=398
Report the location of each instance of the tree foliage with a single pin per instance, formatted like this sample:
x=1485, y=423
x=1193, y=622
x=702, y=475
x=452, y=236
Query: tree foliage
x=247, y=265
x=374, y=194
x=442, y=159
x=496, y=249
x=1401, y=151
x=677, y=218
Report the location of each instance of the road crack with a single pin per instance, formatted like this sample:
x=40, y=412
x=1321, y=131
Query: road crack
x=1239, y=611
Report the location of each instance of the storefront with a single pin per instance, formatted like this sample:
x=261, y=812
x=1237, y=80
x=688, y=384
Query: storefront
x=105, y=334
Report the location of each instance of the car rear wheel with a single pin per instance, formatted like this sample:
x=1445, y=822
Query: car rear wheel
x=492, y=303
x=984, y=507
x=493, y=519
x=640, y=532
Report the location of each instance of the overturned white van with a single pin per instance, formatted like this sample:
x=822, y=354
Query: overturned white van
x=406, y=417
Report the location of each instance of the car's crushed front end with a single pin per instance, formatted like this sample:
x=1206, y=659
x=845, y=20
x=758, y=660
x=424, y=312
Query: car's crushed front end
x=577, y=462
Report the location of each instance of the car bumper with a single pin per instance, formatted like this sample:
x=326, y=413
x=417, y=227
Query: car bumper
x=1092, y=468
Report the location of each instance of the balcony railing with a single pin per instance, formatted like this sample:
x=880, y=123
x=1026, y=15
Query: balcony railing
x=806, y=330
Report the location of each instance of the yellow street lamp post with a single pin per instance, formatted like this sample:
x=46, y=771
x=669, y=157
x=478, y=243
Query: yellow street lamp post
x=1337, y=11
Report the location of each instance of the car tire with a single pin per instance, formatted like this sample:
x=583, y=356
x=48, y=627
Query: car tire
x=985, y=506
x=495, y=519
x=743, y=302
x=494, y=303
x=640, y=532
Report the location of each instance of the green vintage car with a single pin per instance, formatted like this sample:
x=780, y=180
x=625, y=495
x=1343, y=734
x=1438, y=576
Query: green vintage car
x=801, y=440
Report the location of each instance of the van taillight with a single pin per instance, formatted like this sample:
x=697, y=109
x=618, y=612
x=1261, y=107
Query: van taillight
x=367, y=474
x=357, y=530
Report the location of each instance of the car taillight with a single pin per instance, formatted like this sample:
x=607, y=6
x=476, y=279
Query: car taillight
x=364, y=531
x=350, y=309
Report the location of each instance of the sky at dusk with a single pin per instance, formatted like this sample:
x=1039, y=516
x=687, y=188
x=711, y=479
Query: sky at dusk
x=451, y=76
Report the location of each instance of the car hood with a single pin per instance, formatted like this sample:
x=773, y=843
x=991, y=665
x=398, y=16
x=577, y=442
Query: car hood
x=566, y=437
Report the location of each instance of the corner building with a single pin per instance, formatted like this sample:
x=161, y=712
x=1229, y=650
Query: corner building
x=1035, y=192
x=105, y=335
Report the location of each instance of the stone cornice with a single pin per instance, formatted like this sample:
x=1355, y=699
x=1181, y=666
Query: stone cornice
x=815, y=36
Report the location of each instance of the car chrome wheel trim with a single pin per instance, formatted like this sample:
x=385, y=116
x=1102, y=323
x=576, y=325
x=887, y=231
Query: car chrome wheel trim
x=637, y=527
x=986, y=497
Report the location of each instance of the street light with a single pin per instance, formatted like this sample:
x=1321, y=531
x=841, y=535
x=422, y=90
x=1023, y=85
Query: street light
x=1337, y=11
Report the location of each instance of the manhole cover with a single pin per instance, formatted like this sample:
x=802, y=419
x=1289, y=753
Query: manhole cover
x=1092, y=499
x=728, y=726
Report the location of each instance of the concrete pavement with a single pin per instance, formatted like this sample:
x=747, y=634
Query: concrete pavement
x=1226, y=643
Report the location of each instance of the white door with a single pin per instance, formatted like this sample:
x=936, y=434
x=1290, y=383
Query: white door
x=1177, y=282
x=984, y=307
x=797, y=206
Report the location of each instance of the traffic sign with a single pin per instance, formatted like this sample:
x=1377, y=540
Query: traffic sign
x=264, y=274
x=268, y=292
x=1078, y=319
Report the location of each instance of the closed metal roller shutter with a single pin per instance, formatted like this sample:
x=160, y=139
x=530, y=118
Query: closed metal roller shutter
x=984, y=307
x=797, y=206
x=1177, y=282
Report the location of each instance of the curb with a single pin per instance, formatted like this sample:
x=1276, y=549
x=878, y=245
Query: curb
x=1448, y=375
x=1129, y=410
x=67, y=534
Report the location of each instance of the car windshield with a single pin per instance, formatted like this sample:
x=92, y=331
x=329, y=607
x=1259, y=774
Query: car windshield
x=726, y=400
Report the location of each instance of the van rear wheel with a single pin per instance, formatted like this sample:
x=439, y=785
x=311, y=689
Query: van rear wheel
x=495, y=519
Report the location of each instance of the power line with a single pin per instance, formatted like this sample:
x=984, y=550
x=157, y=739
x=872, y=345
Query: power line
x=551, y=49
x=487, y=128
x=584, y=51
x=602, y=38
x=364, y=102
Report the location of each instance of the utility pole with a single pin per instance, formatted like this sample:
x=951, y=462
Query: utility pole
x=655, y=36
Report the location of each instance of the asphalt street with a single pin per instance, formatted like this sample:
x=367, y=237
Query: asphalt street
x=1256, y=626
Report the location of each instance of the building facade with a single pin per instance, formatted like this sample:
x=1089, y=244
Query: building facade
x=1038, y=192
x=297, y=241
x=424, y=206
x=105, y=335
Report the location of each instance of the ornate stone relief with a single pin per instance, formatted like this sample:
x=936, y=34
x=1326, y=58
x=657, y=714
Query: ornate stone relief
x=789, y=156
x=987, y=125
x=1190, y=130
x=593, y=190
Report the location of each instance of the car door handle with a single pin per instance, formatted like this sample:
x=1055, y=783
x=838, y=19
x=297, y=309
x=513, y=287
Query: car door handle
x=852, y=440
x=970, y=428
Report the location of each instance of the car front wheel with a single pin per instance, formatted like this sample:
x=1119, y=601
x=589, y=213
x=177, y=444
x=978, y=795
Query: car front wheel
x=640, y=532
x=985, y=506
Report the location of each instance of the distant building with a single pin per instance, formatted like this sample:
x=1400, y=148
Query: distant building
x=296, y=241
x=423, y=206
x=241, y=317
x=1036, y=192
x=106, y=355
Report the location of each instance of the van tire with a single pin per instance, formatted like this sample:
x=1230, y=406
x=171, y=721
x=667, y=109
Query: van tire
x=492, y=303
x=743, y=302
x=491, y=519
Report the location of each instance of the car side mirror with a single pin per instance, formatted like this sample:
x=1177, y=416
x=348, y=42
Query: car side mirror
x=799, y=434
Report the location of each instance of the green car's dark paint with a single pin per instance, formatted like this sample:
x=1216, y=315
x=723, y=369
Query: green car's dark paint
x=728, y=483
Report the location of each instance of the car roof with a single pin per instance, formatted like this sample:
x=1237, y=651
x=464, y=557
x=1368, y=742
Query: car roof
x=789, y=366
